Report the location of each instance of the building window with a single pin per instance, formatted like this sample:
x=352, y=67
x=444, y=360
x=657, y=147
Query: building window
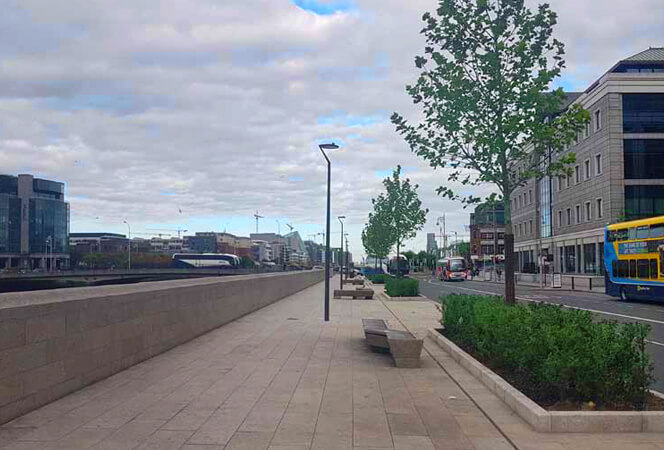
x=567, y=181
x=530, y=227
x=644, y=201
x=586, y=169
x=588, y=212
x=560, y=218
x=577, y=174
x=560, y=184
x=569, y=216
x=586, y=130
x=598, y=120
x=530, y=196
x=600, y=208
x=644, y=158
x=577, y=209
x=643, y=113
x=598, y=164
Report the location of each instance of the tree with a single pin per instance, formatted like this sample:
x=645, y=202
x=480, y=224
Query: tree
x=377, y=237
x=401, y=209
x=489, y=115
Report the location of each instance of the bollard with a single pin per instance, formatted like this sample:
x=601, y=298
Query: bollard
x=591, y=284
x=572, y=283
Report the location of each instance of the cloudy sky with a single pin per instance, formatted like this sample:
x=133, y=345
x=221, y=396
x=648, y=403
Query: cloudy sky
x=195, y=114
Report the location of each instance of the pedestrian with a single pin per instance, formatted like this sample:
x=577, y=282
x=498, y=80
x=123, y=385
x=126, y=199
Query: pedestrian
x=499, y=272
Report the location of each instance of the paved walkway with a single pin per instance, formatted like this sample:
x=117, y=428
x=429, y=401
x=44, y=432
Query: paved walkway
x=281, y=379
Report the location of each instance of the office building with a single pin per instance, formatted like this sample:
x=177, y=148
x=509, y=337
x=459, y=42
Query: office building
x=34, y=223
x=618, y=175
x=487, y=233
x=97, y=242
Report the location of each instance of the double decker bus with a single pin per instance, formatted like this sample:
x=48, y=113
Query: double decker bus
x=634, y=259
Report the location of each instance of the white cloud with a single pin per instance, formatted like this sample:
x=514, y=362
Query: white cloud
x=217, y=104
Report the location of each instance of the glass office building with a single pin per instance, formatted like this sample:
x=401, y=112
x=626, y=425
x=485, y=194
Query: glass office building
x=34, y=224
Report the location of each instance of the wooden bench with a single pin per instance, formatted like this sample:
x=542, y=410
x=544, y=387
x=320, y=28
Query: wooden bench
x=375, y=332
x=357, y=293
x=405, y=348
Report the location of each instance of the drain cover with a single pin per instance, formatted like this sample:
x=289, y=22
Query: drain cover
x=292, y=318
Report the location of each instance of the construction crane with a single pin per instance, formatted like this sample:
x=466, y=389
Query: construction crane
x=257, y=217
x=290, y=227
x=153, y=234
x=178, y=230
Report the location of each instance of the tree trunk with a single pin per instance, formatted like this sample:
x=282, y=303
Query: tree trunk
x=398, y=268
x=510, y=288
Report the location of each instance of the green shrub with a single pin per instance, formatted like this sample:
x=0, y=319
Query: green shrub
x=379, y=278
x=561, y=351
x=402, y=287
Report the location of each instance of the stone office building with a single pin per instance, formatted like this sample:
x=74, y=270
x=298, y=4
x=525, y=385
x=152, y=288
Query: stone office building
x=619, y=171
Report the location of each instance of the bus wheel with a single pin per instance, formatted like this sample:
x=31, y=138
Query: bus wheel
x=623, y=295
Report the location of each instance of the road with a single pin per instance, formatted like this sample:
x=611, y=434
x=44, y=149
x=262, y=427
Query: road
x=608, y=307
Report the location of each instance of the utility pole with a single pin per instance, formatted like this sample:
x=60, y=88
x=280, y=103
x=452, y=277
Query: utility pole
x=257, y=217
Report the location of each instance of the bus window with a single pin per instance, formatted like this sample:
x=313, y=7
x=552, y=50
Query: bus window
x=623, y=269
x=631, y=234
x=656, y=231
x=632, y=268
x=653, y=269
x=661, y=261
x=614, y=267
x=643, y=269
x=642, y=232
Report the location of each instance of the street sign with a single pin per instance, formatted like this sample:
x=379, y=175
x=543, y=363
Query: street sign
x=557, y=280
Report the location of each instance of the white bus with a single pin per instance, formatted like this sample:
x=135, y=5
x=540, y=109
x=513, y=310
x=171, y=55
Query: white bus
x=452, y=268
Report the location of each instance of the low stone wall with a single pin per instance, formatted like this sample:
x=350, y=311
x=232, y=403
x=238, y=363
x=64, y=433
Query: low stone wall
x=55, y=342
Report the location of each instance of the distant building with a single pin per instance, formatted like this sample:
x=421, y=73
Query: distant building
x=487, y=232
x=262, y=251
x=97, y=242
x=205, y=242
x=34, y=223
x=316, y=252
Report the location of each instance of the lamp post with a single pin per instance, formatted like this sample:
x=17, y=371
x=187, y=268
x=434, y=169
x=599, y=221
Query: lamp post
x=49, y=252
x=322, y=148
x=346, y=256
x=341, y=261
x=129, y=252
x=456, y=243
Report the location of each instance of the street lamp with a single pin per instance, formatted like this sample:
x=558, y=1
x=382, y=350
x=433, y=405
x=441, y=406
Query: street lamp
x=49, y=252
x=322, y=148
x=129, y=253
x=341, y=261
x=346, y=255
x=456, y=243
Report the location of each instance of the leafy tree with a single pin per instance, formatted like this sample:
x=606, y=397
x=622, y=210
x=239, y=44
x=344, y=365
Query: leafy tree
x=378, y=237
x=488, y=113
x=401, y=208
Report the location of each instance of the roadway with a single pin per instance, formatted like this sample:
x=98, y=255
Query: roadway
x=606, y=307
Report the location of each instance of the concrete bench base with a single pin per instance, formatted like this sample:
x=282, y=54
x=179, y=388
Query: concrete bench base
x=405, y=348
x=375, y=332
x=355, y=294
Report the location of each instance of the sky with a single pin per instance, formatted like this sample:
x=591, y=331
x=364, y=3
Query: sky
x=196, y=114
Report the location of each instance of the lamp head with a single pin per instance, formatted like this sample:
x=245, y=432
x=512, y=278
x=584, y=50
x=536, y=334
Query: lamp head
x=331, y=146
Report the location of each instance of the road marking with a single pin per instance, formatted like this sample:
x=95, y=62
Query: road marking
x=654, y=343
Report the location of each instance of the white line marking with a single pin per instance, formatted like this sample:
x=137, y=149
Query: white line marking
x=654, y=343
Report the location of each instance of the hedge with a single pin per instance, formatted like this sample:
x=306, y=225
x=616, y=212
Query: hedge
x=379, y=278
x=562, y=352
x=402, y=287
